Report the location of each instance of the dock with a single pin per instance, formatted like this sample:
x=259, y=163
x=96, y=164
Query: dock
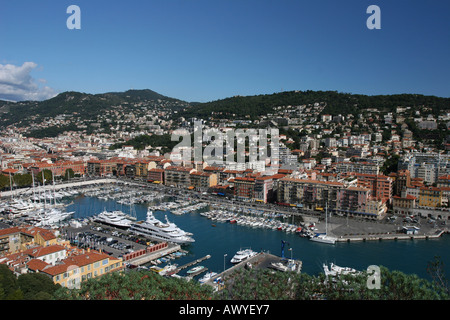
x=146, y=258
x=190, y=264
x=191, y=275
x=398, y=236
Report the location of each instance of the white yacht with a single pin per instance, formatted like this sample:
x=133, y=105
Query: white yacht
x=207, y=277
x=51, y=217
x=335, y=270
x=19, y=207
x=323, y=238
x=242, y=255
x=156, y=229
x=114, y=218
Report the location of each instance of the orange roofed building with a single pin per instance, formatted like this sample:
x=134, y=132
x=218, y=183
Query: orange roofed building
x=73, y=270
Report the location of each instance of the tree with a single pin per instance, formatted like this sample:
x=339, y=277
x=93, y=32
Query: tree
x=390, y=165
x=36, y=286
x=4, y=181
x=9, y=289
x=22, y=180
x=136, y=285
x=436, y=269
x=69, y=174
x=48, y=176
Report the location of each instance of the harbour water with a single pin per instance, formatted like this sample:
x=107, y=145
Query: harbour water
x=221, y=240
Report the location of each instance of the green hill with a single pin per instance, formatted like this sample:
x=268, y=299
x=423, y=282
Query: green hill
x=336, y=103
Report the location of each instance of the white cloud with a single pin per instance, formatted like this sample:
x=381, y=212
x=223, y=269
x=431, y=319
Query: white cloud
x=17, y=84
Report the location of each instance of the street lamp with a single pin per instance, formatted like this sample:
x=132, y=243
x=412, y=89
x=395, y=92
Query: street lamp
x=224, y=262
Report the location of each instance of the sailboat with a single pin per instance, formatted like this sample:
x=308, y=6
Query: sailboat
x=324, y=237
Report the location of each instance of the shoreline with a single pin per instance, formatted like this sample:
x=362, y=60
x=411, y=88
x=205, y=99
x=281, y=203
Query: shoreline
x=390, y=237
x=360, y=230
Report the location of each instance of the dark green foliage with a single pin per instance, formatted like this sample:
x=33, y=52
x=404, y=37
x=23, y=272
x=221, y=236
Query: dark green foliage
x=83, y=105
x=9, y=289
x=435, y=269
x=36, y=286
x=4, y=181
x=53, y=131
x=336, y=103
x=48, y=176
x=390, y=165
x=267, y=285
x=143, y=141
x=255, y=285
x=30, y=286
x=136, y=285
x=69, y=174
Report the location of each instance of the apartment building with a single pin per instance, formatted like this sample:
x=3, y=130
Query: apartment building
x=202, y=181
x=59, y=168
x=404, y=204
x=141, y=168
x=16, y=239
x=101, y=168
x=156, y=175
x=73, y=270
x=357, y=167
x=352, y=200
x=244, y=188
x=381, y=186
x=178, y=176
x=430, y=197
x=308, y=194
x=263, y=190
x=215, y=170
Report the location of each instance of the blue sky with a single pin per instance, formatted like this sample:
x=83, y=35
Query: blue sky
x=203, y=50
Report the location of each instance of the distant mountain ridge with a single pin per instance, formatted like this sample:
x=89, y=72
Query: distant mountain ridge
x=85, y=104
x=336, y=103
x=91, y=105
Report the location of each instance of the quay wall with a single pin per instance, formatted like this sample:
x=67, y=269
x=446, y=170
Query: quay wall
x=147, y=250
x=28, y=191
x=147, y=256
x=391, y=237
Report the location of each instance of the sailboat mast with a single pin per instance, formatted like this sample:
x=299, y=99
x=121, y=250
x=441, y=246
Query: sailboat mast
x=32, y=178
x=43, y=188
x=10, y=185
x=54, y=193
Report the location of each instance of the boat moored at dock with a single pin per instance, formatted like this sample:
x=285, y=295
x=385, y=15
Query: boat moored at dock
x=156, y=229
x=242, y=255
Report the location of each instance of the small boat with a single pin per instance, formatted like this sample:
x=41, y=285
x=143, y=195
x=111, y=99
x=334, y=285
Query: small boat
x=335, y=270
x=207, y=277
x=242, y=255
x=195, y=269
x=323, y=238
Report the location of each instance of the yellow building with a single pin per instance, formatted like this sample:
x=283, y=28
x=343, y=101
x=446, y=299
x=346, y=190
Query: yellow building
x=141, y=168
x=16, y=239
x=73, y=270
x=203, y=180
x=430, y=197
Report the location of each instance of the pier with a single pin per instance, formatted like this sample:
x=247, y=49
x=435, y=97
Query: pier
x=146, y=258
x=190, y=264
x=399, y=236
